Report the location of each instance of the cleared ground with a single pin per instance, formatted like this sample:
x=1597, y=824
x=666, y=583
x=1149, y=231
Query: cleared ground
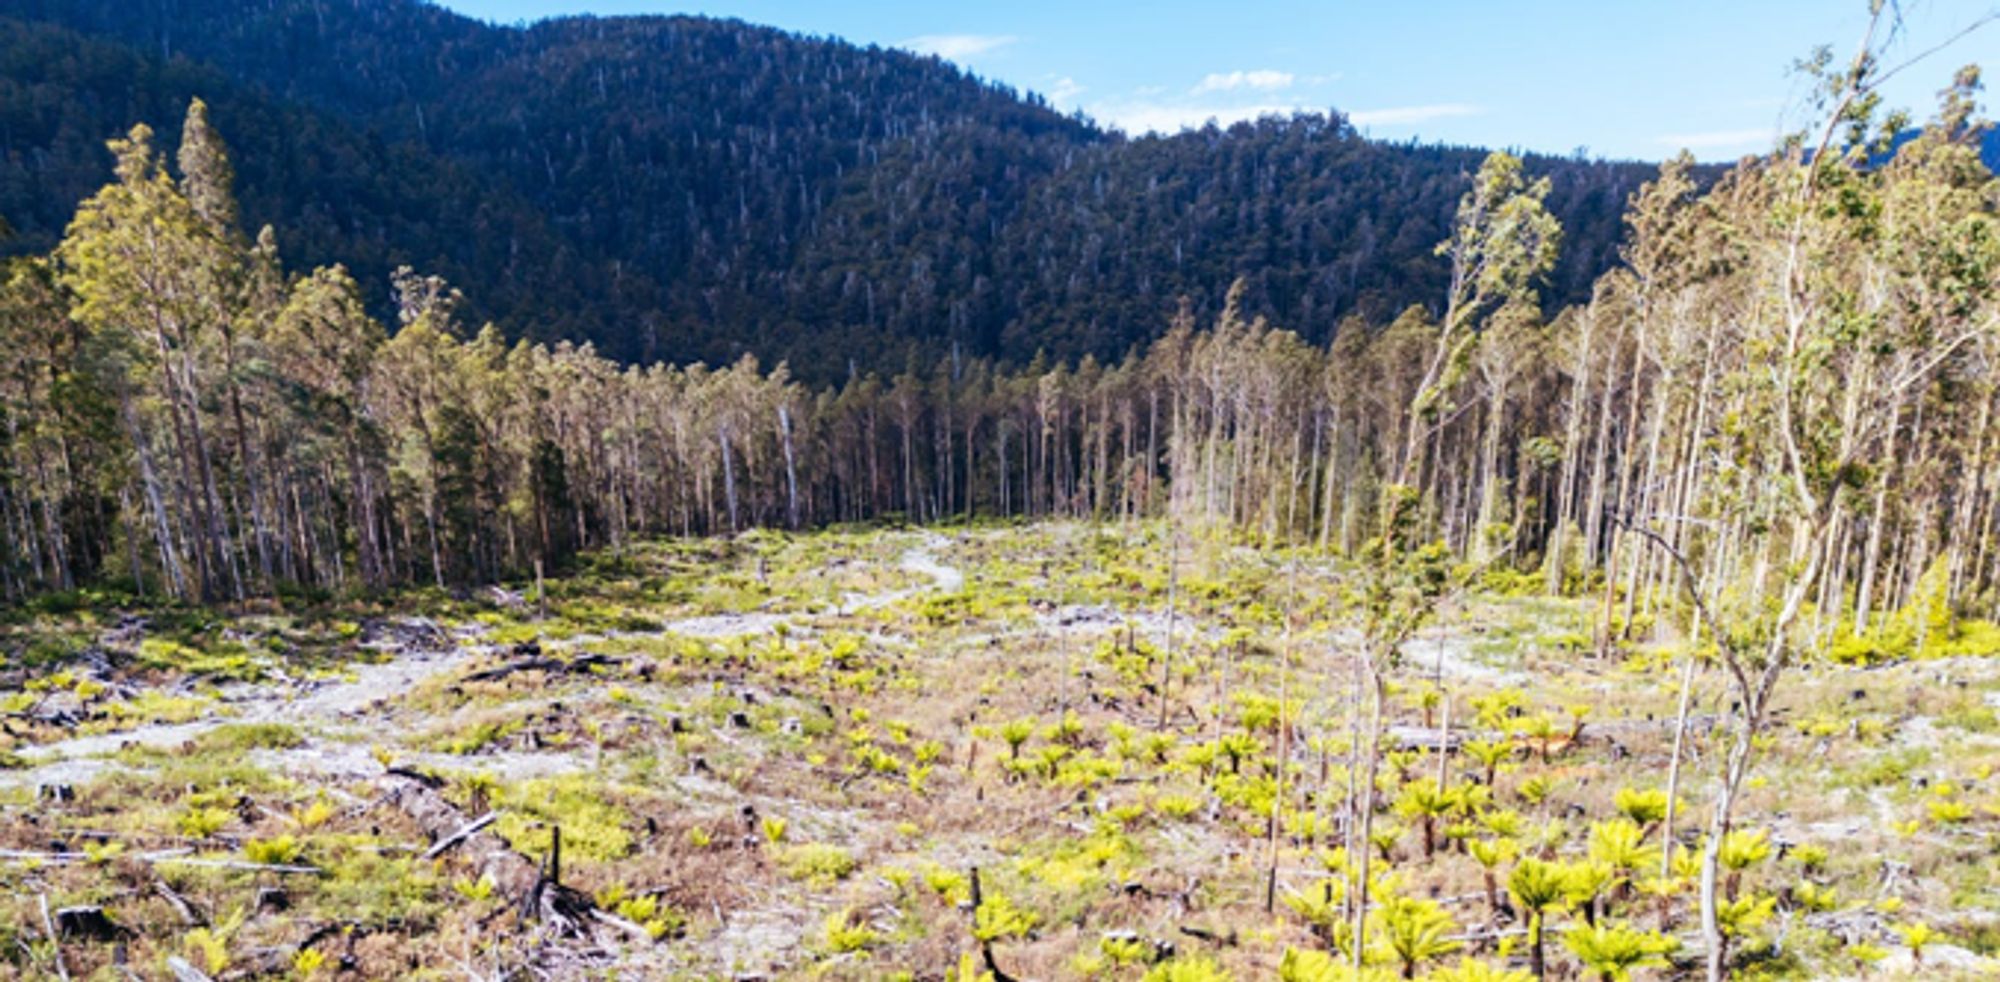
x=782, y=756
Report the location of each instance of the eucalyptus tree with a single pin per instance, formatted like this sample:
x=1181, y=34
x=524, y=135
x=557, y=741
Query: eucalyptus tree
x=150, y=278
x=1859, y=289
x=1502, y=240
x=324, y=345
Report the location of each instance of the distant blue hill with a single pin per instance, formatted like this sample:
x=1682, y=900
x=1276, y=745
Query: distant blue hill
x=1989, y=148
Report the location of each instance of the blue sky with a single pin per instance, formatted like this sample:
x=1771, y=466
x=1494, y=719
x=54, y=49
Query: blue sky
x=1619, y=78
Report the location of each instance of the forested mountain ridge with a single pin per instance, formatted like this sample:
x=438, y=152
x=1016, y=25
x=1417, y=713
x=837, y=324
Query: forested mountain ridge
x=690, y=189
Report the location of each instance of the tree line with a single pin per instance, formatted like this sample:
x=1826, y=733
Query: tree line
x=185, y=416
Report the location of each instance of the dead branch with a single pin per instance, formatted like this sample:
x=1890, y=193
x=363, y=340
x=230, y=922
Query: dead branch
x=55, y=940
x=184, y=972
x=447, y=843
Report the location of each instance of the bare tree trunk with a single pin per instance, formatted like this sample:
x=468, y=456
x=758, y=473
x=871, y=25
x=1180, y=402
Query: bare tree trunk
x=728, y=474
x=791, y=466
x=1364, y=846
x=1674, y=765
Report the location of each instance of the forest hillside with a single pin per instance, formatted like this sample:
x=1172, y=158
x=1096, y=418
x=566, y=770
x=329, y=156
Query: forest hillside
x=675, y=188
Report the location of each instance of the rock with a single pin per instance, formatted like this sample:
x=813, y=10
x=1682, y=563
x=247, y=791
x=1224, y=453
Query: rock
x=1938, y=959
x=129, y=631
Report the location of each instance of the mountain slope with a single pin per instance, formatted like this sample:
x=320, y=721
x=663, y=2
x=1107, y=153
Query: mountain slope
x=683, y=188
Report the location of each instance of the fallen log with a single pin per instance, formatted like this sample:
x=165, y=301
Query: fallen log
x=417, y=797
x=185, y=910
x=156, y=856
x=1212, y=937
x=536, y=894
x=540, y=663
x=237, y=864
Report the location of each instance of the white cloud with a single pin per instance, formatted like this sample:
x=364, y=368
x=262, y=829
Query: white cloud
x=1168, y=118
x=1263, y=79
x=1750, y=139
x=953, y=47
x=1065, y=89
x=1411, y=115
x=1234, y=97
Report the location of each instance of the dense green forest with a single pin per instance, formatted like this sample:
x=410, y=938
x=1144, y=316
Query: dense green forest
x=686, y=189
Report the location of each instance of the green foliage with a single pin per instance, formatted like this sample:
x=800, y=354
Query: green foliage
x=1299, y=965
x=1473, y=970
x=1744, y=848
x=201, y=822
x=1813, y=898
x=950, y=885
x=1537, y=885
x=1489, y=753
x=1642, y=806
x=818, y=863
x=843, y=933
x=307, y=962
x=226, y=660
x=967, y=970
x=1125, y=950
x=207, y=948
x=1319, y=906
x=282, y=850
x=153, y=706
x=998, y=919
x=1417, y=930
x=477, y=891
x=1191, y=968
x=1615, y=950
x=1927, y=627
x=1619, y=843
x=1016, y=733
x=1744, y=914
x=1916, y=936
x=593, y=828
